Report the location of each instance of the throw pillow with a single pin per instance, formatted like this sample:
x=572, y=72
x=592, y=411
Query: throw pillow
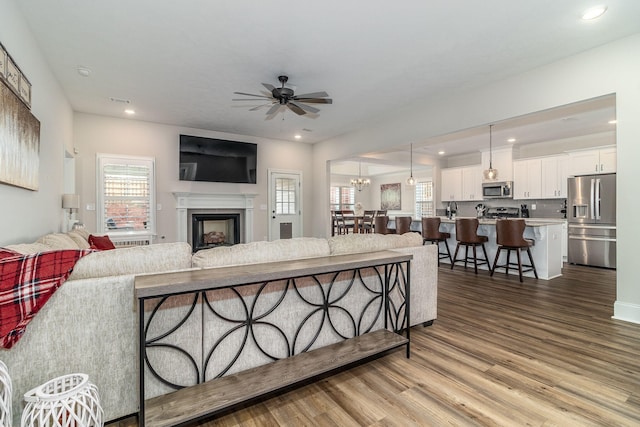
x=102, y=243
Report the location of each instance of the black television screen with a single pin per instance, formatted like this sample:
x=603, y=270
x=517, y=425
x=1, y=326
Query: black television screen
x=217, y=160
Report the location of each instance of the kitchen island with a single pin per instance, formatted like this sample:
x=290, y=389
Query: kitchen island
x=547, y=251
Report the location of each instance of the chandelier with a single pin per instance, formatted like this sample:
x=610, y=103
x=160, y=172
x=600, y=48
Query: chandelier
x=491, y=173
x=361, y=182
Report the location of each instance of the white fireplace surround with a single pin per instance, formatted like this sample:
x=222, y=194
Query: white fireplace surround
x=186, y=201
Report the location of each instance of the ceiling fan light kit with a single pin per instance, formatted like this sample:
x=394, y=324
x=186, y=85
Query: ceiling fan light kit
x=284, y=97
x=490, y=174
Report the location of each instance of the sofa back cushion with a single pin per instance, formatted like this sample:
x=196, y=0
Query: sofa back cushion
x=359, y=243
x=260, y=252
x=156, y=258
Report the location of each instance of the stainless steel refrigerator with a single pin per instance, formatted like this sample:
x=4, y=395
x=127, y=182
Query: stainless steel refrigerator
x=591, y=204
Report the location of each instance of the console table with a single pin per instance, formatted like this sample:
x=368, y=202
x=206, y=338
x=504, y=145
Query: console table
x=374, y=330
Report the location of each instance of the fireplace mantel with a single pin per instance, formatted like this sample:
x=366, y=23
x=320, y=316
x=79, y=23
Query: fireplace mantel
x=185, y=201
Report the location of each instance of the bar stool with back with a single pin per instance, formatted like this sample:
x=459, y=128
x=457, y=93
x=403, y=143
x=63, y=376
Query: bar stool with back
x=403, y=224
x=510, y=236
x=467, y=235
x=380, y=224
x=431, y=233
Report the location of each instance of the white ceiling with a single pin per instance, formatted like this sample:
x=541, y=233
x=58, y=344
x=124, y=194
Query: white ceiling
x=179, y=62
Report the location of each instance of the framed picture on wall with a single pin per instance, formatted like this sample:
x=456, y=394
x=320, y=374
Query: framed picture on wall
x=390, y=196
x=25, y=90
x=3, y=62
x=13, y=76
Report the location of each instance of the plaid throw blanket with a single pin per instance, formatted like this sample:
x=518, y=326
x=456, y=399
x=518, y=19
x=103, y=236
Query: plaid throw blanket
x=26, y=284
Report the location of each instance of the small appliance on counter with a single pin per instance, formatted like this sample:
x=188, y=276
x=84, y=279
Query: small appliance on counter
x=480, y=210
x=501, y=212
x=524, y=211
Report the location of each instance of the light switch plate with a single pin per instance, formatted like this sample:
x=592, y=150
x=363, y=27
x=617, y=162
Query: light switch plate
x=90, y=207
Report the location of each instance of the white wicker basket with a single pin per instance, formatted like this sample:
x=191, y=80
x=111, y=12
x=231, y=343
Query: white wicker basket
x=5, y=396
x=66, y=401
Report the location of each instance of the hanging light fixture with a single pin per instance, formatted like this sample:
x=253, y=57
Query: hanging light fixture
x=411, y=180
x=361, y=182
x=491, y=173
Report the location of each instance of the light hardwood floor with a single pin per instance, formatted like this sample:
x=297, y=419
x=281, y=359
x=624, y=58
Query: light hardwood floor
x=501, y=353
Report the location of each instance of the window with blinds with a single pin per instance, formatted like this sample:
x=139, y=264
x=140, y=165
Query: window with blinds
x=126, y=195
x=424, y=199
x=342, y=198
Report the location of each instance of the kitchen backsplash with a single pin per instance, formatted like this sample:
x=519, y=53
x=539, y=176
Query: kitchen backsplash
x=546, y=208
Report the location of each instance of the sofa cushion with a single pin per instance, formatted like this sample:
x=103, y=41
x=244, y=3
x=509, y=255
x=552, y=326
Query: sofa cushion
x=260, y=252
x=79, y=239
x=58, y=241
x=359, y=243
x=156, y=258
x=102, y=243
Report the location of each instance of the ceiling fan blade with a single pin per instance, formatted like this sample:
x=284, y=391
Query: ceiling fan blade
x=307, y=108
x=296, y=109
x=248, y=99
x=314, y=100
x=273, y=110
x=313, y=95
x=251, y=94
x=259, y=107
x=269, y=87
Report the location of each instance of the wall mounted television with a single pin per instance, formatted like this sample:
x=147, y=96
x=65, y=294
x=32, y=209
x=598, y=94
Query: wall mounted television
x=217, y=160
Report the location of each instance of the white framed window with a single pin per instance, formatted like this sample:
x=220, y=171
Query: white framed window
x=342, y=198
x=126, y=199
x=286, y=196
x=424, y=199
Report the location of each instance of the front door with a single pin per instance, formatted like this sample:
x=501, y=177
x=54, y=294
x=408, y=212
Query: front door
x=285, y=204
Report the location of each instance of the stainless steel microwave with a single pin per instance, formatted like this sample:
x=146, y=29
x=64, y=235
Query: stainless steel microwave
x=497, y=190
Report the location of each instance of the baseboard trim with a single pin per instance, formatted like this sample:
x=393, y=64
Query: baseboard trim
x=626, y=311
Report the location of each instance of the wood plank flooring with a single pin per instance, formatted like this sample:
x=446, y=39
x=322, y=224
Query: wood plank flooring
x=501, y=353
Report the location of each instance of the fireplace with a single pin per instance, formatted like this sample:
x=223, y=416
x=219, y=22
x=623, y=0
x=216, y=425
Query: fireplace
x=213, y=230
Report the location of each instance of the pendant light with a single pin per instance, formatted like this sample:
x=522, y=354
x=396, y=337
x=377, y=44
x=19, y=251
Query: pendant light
x=491, y=173
x=360, y=183
x=411, y=180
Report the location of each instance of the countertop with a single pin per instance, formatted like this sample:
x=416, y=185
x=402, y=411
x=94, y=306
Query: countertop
x=530, y=222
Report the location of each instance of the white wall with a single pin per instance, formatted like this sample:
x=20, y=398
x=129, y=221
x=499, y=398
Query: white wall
x=25, y=215
x=99, y=134
x=611, y=68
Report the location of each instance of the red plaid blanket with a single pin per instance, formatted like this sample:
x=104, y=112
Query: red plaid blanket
x=26, y=284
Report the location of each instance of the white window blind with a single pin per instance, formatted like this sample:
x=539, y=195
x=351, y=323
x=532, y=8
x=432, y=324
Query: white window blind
x=126, y=195
x=342, y=198
x=424, y=199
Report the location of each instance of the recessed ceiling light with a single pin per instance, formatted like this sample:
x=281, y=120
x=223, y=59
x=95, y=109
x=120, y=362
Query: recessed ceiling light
x=594, y=12
x=129, y=112
x=441, y=152
x=84, y=71
x=511, y=140
x=613, y=122
x=298, y=136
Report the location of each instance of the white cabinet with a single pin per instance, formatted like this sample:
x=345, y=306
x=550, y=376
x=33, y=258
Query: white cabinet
x=502, y=160
x=527, y=179
x=472, y=183
x=554, y=170
x=461, y=184
x=595, y=161
x=451, y=184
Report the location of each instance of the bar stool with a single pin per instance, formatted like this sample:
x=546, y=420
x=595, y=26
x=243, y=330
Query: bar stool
x=510, y=236
x=466, y=235
x=431, y=233
x=403, y=224
x=380, y=224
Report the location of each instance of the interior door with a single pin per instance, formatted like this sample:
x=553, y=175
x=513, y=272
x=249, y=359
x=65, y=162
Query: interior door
x=285, y=204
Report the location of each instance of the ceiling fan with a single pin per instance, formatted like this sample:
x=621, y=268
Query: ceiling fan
x=284, y=97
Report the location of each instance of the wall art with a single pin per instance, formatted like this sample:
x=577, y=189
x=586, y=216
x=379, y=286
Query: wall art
x=390, y=197
x=19, y=141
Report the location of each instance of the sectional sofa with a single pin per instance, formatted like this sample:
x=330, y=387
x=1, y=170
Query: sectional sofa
x=90, y=324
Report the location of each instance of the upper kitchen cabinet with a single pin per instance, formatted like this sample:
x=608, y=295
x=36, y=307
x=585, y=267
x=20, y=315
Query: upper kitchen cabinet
x=461, y=184
x=554, y=176
x=593, y=161
x=451, y=184
x=502, y=160
x=527, y=179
